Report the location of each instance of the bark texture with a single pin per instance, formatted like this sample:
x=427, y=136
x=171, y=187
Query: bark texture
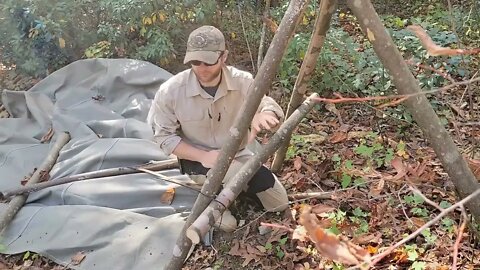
x=262, y=82
x=235, y=186
x=18, y=201
x=423, y=113
x=322, y=23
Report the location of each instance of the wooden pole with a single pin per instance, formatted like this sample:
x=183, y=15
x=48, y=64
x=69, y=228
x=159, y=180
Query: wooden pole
x=235, y=186
x=322, y=23
x=18, y=201
x=262, y=82
x=419, y=106
x=157, y=166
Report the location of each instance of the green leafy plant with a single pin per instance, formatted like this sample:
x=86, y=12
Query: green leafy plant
x=277, y=248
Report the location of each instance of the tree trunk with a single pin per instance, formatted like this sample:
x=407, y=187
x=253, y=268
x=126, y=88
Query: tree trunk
x=262, y=82
x=235, y=186
x=322, y=23
x=18, y=201
x=421, y=110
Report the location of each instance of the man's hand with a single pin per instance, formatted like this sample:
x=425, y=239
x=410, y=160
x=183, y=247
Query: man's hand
x=264, y=120
x=209, y=159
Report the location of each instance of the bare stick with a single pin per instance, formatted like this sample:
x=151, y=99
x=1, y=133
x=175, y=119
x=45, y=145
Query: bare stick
x=322, y=23
x=18, y=201
x=341, y=99
x=459, y=239
x=191, y=185
x=277, y=226
x=311, y=195
x=156, y=166
x=261, y=46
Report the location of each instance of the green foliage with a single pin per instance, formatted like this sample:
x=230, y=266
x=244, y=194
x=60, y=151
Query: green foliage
x=278, y=247
x=39, y=37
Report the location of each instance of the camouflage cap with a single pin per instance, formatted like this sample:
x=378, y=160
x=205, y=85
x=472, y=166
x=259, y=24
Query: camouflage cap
x=205, y=44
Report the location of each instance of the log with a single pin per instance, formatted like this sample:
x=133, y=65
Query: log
x=262, y=82
x=322, y=23
x=419, y=106
x=235, y=185
x=18, y=201
x=156, y=166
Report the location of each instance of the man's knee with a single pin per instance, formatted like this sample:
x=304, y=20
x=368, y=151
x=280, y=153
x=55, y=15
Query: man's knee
x=269, y=190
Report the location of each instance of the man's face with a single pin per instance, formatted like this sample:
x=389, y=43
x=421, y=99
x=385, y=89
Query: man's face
x=207, y=74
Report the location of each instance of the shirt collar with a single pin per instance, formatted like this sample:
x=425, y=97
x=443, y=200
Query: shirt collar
x=227, y=84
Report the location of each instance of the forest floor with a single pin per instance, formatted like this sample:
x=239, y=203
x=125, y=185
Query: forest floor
x=368, y=158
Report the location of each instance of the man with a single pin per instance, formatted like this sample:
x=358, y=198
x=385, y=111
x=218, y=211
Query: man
x=194, y=110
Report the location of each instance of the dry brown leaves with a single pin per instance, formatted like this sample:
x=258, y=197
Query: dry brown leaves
x=167, y=196
x=78, y=258
x=330, y=246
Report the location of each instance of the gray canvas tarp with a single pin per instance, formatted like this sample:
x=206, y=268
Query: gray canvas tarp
x=119, y=222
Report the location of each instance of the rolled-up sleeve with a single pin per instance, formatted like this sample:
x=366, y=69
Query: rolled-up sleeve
x=269, y=104
x=164, y=121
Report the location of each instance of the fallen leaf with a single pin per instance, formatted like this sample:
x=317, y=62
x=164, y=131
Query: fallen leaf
x=271, y=24
x=474, y=167
x=300, y=233
x=376, y=190
x=78, y=258
x=297, y=163
x=397, y=164
x=331, y=246
x=372, y=250
x=322, y=208
x=167, y=196
x=419, y=222
x=432, y=48
x=338, y=137
x=48, y=136
x=61, y=43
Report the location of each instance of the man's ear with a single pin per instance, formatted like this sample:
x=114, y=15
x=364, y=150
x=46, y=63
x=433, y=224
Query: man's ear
x=225, y=56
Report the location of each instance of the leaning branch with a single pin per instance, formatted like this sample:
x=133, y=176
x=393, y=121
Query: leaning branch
x=18, y=201
x=322, y=23
x=262, y=82
x=156, y=166
x=341, y=99
x=214, y=211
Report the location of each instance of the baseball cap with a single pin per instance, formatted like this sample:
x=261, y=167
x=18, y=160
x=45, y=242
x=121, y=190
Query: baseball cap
x=205, y=44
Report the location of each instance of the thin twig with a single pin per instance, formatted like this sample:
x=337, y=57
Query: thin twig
x=246, y=39
x=276, y=226
x=341, y=99
x=403, y=208
x=466, y=89
x=419, y=193
x=444, y=75
x=459, y=238
x=380, y=256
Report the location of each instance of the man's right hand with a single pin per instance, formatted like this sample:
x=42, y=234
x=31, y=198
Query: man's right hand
x=209, y=159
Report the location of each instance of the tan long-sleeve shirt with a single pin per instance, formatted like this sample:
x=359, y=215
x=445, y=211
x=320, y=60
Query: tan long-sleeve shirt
x=182, y=110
